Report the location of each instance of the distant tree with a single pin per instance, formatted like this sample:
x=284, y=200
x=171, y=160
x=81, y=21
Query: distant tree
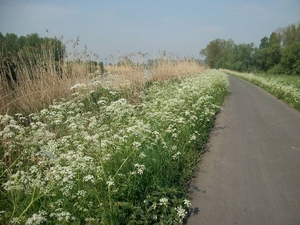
x=101, y=66
x=291, y=34
x=21, y=42
x=264, y=43
x=29, y=49
x=11, y=44
x=275, y=39
x=290, y=59
x=280, y=53
x=266, y=58
x=33, y=40
x=217, y=52
x=240, y=58
x=2, y=40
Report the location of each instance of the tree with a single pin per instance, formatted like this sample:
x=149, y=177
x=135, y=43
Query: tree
x=29, y=49
x=11, y=44
x=290, y=60
x=291, y=34
x=266, y=58
x=280, y=53
x=2, y=40
x=22, y=42
x=240, y=58
x=33, y=40
x=217, y=52
x=264, y=43
x=275, y=39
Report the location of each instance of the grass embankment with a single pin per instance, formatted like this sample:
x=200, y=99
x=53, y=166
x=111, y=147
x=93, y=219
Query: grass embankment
x=284, y=87
x=98, y=159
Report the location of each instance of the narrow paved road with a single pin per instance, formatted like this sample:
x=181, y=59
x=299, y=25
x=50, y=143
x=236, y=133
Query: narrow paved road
x=251, y=172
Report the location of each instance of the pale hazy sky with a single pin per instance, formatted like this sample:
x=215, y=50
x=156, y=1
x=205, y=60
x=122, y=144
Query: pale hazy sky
x=128, y=26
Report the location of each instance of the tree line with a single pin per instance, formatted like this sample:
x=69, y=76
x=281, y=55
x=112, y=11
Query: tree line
x=24, y=55
x=11, y=45
x=277, y=54
x=28, y=51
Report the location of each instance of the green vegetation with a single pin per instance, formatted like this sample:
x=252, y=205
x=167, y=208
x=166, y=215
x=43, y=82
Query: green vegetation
x=284, y=87
x=277, y=54
x=293, y=80
x=97, y=159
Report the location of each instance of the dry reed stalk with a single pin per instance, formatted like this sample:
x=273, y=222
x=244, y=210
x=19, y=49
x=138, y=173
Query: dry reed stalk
x=162, y=71
x=133, y=78
x=41, y=79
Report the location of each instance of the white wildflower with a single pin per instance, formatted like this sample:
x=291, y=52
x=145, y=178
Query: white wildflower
x=90, y=178
x=101, y=102
x=181, y=212
x=175, y=156
x=66, y=216
x=110, y=182
x=106, y=157
x=142, y=155
x=163, y=201
x=193, y=138
x=187, y=113
x=187, y=203
x=136, y=144
x=140, y=168
x=37, y=218
x=174, y=135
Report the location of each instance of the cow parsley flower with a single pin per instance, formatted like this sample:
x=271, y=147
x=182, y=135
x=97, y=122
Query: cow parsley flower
x=140, y=168
x=37, y=218
x=175, y=156
x=187, y=203
x=142, y=155
x=181, y=212
x=110, y=182
x=163, y=201
x=90, y=178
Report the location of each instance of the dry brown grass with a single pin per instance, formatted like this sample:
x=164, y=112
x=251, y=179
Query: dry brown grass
x=133, y=78
x=40, y=80
x=45, y=80
x=161, y=71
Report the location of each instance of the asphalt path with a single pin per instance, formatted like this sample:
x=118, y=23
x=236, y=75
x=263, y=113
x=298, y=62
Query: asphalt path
x=250, y=173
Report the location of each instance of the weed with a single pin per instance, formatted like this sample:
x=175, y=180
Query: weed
x=98, y=159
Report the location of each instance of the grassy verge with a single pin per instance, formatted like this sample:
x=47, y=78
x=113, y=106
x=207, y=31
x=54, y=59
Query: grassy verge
x=286, y=88
x=97, y=159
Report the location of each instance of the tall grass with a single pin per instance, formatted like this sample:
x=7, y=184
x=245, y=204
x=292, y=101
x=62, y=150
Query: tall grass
x=98, y=159
x=89, y=148
x=41, y=79
x=286, y=88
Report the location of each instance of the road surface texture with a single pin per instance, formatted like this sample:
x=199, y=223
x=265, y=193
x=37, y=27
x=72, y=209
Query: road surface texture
x=250, y=173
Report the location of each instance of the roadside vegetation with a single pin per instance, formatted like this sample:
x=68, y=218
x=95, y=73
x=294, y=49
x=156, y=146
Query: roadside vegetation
x=98, y=159
x=276, y=54
x=284, y=87
x=87, y=142
x=34, y=71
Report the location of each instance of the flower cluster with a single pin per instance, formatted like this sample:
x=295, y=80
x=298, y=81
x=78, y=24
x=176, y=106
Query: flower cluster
x=88, y=158
x=278, y=86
